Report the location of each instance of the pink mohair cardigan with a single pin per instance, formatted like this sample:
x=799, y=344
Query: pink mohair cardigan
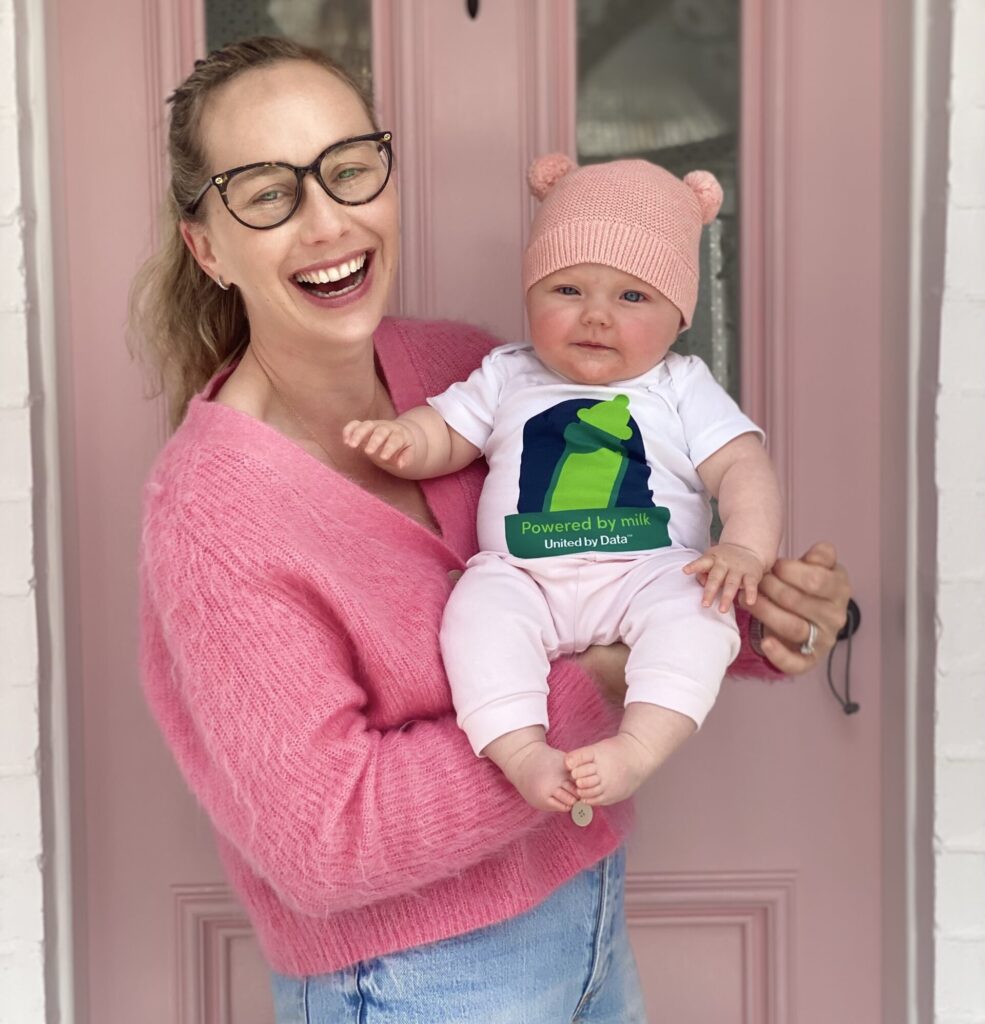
x=290, y=656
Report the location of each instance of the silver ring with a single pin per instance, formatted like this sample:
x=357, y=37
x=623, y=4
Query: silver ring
x=807, y=647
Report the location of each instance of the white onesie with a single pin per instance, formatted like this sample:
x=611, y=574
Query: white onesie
x=591, y=507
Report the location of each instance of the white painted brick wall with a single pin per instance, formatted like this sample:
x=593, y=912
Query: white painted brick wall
x=22, y=991
x=959, y=785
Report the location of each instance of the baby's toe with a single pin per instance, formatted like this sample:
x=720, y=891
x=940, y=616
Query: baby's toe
x=563, y=797
x=585, y=773
x=589, y=790
x=577, y=758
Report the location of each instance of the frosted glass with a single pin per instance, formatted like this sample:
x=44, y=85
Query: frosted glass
x=660, y=81
x=340, y=28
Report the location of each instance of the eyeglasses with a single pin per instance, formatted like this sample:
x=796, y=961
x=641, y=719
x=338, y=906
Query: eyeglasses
x=352, y=172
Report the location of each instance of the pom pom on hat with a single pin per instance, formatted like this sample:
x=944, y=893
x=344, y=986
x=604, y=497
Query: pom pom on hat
x=708, y=192
x=546, y=171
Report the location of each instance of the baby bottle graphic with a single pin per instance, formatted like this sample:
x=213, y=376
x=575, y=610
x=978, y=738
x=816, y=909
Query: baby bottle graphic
x=591, y=468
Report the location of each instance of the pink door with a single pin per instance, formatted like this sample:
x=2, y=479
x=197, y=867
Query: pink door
x=765, y=868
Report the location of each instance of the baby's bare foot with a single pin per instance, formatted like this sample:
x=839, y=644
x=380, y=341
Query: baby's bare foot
x=538, y=772
x=610, y=770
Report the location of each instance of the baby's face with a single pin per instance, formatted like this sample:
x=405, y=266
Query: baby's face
x=595, y=325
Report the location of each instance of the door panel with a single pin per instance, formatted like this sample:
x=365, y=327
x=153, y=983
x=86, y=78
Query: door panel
x=755, y=867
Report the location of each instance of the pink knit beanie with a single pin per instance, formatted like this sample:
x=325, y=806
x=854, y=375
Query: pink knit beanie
x=628, y=214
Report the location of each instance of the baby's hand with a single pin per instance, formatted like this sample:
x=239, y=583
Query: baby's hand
x=727, y=567
x=387, y=442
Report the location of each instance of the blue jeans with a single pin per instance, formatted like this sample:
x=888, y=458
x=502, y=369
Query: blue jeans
x=566, y=961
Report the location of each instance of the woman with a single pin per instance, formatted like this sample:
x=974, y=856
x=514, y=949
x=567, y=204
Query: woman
x=292, y=593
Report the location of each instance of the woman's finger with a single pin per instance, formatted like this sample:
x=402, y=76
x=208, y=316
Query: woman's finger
x=821, y=553
x=790, y=626
x=829, y=582
x=788, y=661
x=815, y=580
x=827, y=613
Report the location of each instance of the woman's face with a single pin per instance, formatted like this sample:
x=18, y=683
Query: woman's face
x=290, y=112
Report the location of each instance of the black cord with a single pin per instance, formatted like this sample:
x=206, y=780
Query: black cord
x=847, y=704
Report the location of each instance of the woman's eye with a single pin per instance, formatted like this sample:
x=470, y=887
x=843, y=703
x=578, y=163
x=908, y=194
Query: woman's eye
x=632, y=296
x=270, y=195
x=347, y=174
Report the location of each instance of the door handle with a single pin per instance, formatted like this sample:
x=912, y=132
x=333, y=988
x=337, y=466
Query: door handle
x=852, y=621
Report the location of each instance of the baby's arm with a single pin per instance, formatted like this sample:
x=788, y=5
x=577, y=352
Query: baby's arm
x=417, y=445
x=741, y=475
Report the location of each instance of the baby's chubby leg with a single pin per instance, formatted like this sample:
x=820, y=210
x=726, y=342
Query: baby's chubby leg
x=536, y=769
x=679, y=652
x=614, y=768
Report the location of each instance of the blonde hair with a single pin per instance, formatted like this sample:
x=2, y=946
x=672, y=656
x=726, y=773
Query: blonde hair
x=182, y=325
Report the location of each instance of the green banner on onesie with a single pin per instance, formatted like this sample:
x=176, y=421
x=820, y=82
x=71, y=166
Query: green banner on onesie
x=539, y=534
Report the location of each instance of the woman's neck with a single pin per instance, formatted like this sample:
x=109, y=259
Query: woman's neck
x=325, y=388
x=308, y=394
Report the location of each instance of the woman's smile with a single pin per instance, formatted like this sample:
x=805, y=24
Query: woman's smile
x=336, y=282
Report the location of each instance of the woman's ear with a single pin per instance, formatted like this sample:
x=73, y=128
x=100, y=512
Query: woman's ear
x=196, y=237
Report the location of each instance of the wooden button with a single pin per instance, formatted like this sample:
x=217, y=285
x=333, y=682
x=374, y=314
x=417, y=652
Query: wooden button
x=582, y=814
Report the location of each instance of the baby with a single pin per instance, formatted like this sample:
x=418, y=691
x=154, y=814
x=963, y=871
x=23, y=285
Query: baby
x=603, y=447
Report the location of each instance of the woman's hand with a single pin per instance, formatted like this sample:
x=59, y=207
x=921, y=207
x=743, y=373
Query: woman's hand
x=796, y=592
x=607, y=666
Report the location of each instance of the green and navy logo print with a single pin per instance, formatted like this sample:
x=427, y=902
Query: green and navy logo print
x=584, y=484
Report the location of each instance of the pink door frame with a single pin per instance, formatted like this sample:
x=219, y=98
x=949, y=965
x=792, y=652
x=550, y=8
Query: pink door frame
x=781, y=301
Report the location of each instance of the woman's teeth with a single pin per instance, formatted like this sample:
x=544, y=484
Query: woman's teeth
x=329, y=275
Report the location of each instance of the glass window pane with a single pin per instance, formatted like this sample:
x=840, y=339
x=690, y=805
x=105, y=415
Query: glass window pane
x=340, y=28
x=660, y=80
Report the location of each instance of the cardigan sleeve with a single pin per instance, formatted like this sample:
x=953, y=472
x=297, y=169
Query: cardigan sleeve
x=750, y=664
x=259, y=700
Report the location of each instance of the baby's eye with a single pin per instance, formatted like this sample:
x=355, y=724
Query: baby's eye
x=566, y=289
x=632, y=296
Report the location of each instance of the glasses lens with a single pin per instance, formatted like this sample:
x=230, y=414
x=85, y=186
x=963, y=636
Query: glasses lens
x=262, y=196
x=355, y=172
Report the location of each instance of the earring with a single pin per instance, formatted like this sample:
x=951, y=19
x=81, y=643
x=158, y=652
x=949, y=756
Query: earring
x=222, y=284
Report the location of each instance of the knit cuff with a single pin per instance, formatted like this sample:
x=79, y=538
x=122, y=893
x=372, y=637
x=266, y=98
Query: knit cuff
x=751, y=662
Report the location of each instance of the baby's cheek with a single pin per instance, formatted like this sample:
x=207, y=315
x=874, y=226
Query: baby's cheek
x=548, y=329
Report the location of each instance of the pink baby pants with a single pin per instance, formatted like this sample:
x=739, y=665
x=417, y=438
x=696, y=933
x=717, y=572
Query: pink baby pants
x=508, y=618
